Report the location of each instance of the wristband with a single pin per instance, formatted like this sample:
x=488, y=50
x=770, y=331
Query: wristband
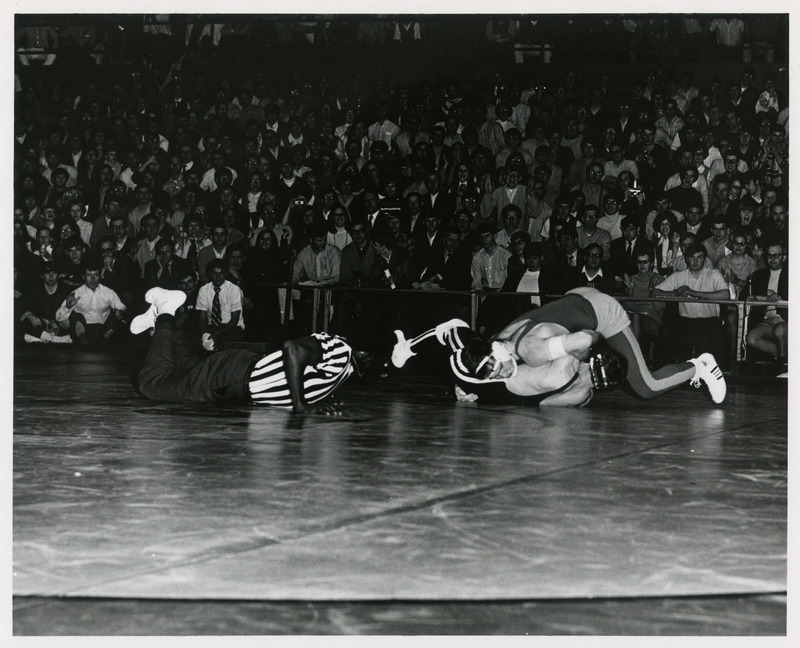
x=555, y=347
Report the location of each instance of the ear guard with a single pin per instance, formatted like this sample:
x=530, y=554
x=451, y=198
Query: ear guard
x=607, y=367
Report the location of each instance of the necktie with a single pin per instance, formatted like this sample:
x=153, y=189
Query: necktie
x=192, y=255
x=628, y=252
x=572, y=261
x=216, y=309
x=165, y=276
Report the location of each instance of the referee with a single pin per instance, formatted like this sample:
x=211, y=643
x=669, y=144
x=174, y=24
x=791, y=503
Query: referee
x=301, y=375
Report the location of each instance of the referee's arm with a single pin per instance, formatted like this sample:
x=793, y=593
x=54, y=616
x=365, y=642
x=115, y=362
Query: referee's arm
x=297, y=355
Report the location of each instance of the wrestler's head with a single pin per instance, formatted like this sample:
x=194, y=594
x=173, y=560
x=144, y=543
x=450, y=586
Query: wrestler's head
x=483, y=360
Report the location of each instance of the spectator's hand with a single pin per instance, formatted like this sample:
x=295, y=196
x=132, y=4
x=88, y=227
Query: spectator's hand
x=247, y=303
x=71, y=300
x=773, y=296
x=626, y=279
x=34, y=320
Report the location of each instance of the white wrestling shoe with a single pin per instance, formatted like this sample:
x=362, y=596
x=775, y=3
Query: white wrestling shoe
x=163, y=302
x=709, y=372
x=56, y=339
x=32, y=339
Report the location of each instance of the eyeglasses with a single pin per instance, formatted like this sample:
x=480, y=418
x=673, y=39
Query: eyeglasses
x=775, y=256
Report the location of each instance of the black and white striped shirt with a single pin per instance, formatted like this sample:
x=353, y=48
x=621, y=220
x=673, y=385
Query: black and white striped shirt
x=268, y=385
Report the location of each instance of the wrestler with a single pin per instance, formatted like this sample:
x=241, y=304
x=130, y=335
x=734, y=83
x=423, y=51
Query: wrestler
x=570, y=327
x=301, y=375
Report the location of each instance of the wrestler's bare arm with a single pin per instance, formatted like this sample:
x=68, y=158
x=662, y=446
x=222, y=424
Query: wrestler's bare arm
x=534, y=351
x=577, y=394
x=530, y=381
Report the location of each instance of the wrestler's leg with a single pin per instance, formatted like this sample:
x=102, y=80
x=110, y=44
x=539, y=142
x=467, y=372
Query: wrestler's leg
x=644, y=383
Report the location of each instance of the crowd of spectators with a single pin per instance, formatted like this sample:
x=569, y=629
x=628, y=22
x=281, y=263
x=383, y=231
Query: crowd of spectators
x=245, y=189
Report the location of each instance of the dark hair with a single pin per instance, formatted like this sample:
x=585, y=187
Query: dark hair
x=383, y=238
x=508, y=209
x=694, y=248
x=92, y=263
x=215, y=264
x=73, y=242
x=669, y=217
x=104, y=240
x=474, y=353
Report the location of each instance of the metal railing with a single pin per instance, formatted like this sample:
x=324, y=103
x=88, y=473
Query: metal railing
x=322, y=304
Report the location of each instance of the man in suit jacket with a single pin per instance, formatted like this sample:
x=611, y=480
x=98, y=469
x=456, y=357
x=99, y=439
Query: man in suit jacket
x=437, y=200
x=167, y=269
x=566, y=259
x=625, y=250
x=428, y=244
x=450, y=266
x=769, y=326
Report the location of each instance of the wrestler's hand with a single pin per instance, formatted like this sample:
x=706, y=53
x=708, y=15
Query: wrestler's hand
x=590, y=338
x=464, y=397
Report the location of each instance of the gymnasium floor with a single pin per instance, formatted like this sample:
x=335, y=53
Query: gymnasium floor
x=409, y=515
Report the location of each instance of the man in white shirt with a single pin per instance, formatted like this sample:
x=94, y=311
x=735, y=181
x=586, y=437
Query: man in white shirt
x=219, y=303
x=490, y=263
x=699, y=320
x=95, y=313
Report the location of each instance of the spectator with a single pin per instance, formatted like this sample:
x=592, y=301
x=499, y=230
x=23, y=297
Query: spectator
x=736, y=268
x=592, y=273
x=146, y=247
x=625, y=251
x=167, y=269
x=490, y=263
x=217, y=250
x=450, y=268
x=39, y=305
x=338, y=228
x=717, y=244
x=611, y=220
x=697, y=323
x=777, y=227
x=511, y=216
x=94, y=313
x=119, y=272
x=219, y=303
x=646, y=315
x=768, y=331
x=589, y=232
x=666, y=240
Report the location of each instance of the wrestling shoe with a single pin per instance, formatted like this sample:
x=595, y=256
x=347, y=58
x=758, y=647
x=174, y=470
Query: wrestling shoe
x=162, y=302
x=709, y=372
x=32, y=339
x=56, y=339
